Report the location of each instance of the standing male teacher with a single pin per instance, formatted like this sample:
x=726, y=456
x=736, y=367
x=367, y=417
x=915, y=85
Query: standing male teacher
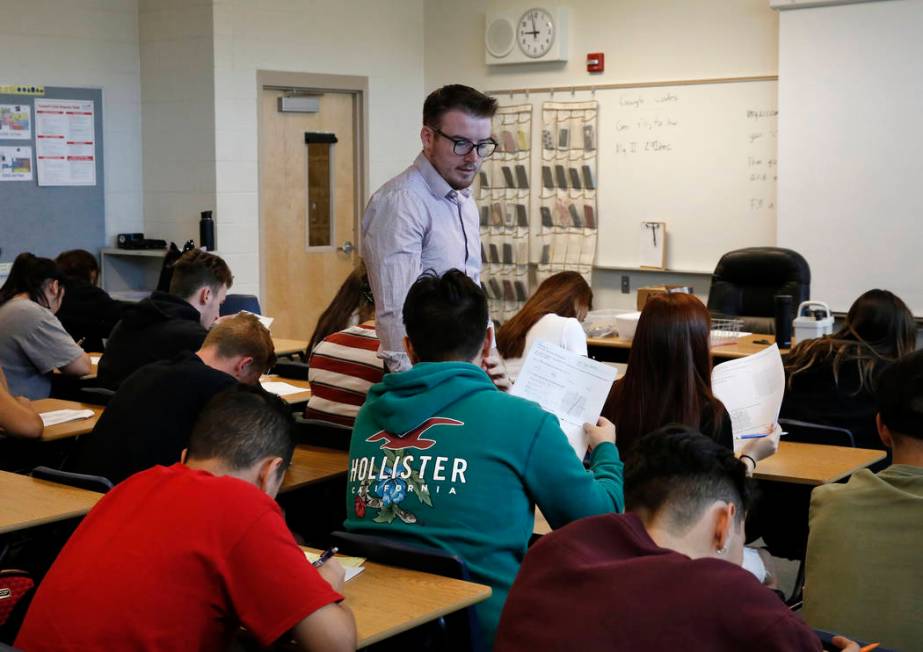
x=425, y=218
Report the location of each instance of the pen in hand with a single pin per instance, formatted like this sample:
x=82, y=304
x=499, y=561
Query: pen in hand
x=327, y=554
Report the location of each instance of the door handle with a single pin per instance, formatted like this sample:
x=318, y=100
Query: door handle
x=346, y=247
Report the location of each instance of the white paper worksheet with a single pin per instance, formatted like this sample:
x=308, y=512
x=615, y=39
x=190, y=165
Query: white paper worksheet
x=751, y=389
x=570, y=386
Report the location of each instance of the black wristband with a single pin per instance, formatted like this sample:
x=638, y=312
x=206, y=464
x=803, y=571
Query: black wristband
x=749, y=458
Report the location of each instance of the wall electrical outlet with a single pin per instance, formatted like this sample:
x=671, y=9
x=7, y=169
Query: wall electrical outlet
x=626, y=285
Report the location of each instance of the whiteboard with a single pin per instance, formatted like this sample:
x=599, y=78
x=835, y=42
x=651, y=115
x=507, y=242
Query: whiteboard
x=851, y=180
x=701, y=158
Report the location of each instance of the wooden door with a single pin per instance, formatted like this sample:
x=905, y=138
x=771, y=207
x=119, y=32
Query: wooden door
x=302, y=250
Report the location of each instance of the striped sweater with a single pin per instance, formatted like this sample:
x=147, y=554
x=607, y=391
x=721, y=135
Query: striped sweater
x=341, y=370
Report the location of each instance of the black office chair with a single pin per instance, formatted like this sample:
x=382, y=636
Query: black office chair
x=288, y=368
x=454, y=632
x=80, y=480
x=322, y=433
x=816, y=433
x=234, y=303
x=746, y=281
x=96, y=395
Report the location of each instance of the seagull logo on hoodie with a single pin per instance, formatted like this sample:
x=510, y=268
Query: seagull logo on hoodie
x=412, y=438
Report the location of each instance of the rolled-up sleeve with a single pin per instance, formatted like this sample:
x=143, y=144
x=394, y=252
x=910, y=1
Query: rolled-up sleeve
x=393, y=234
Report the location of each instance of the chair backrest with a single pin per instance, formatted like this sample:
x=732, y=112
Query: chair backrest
x=96, y=395
x=459, y=630
x=80, y=480
x=322, y=433
x=746, y=281
x=234, y=303
x=816, y=433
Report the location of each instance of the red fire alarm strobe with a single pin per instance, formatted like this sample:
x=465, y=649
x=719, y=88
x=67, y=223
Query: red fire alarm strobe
x=595, y=62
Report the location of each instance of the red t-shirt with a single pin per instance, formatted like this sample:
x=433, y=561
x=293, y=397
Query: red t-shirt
x=601, y=583
x=175, y=559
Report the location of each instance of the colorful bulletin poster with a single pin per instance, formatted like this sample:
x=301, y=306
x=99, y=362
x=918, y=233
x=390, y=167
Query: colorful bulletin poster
x=15, y=164
x=15, y=121
x=65, y=142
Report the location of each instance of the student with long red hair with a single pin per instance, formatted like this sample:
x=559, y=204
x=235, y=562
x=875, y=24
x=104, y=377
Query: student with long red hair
x=553, y=314
x=668, y=380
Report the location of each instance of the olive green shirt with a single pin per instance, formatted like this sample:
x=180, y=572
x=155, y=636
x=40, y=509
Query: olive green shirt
x=864, y=565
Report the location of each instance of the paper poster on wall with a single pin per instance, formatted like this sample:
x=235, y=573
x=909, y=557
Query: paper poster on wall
x=15, y=164
x=15, y=121
x=65, y=142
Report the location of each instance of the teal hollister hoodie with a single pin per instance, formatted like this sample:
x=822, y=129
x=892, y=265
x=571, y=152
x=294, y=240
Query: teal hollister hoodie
x=440, y=457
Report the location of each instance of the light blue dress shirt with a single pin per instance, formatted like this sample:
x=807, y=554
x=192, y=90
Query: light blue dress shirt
x=414, y=223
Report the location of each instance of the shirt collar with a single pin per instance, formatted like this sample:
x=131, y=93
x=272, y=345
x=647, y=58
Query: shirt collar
x=437, y=185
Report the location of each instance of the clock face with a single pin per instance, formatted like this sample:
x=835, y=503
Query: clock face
x=535, y=33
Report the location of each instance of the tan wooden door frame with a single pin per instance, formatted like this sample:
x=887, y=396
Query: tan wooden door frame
x=309, y=83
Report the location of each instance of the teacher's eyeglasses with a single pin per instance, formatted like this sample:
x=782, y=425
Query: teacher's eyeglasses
x=463, y=146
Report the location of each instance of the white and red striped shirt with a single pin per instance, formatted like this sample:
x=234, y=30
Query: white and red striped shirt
x=341, y=370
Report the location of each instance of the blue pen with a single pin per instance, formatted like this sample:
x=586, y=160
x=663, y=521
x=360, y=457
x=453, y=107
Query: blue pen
x=758, y=435
x=327, y=554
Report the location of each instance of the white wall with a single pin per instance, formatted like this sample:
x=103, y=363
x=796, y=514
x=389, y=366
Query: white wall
x=643, y=40
x=380, y=39
x=84, y=43
x=177, y=101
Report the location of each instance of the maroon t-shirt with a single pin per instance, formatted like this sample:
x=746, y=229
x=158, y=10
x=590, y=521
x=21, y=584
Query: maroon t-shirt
x=601, y=583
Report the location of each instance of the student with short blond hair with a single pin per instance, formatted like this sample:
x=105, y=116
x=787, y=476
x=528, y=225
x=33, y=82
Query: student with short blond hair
x=148, y=420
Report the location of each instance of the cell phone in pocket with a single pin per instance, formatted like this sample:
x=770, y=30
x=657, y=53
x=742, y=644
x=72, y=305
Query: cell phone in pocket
x=494, y=253
x=588, y=181
x=563, y=138
x=546, y=217
x=589, y=218
x=508, y=176
x=507, y=253
x=546, y=254
x=495, y=288
x=507, y=141
x=575, y=178
x=522, y=217
x=547, y=180
x=508, y=293
x=521, y=294
x=484, y=182
x=522, y=179
x=485, y=215
x=560, y=176
x=574, y=215
x=547, y=139
x=483, y=254
x=589, y=138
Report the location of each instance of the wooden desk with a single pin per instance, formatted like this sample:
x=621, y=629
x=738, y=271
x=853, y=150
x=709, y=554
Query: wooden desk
x=743, y=347
x=300, y=397
x=312, y=464
x=541, y=523
x=71, y=428
x=289, y=347
x=26, y=502
x=386, y=600
x=814, y=464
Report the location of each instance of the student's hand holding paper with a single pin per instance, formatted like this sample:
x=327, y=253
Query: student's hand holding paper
x=333, y=571
x=602, y=432
x=763, y=447
x=495, y=368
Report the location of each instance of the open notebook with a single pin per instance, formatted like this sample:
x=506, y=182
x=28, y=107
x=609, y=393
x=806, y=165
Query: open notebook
x=352, y=565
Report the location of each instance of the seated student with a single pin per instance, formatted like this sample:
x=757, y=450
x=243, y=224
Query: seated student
x=163, y=325
x=87, y=312
x=32, y=341
x=665, y=576
x=17, y=416
x=180, y=557
x=864, y=570
x=832, y=379
x=668, y=379
x=149, y=419
x=343, y=354
x=440, y=457
x=553, y=314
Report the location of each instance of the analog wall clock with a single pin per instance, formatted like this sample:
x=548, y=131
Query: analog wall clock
x=536, y=32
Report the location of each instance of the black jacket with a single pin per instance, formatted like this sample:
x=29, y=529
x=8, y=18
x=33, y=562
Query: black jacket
x=149, y=419
x=157, y=328
x=88, y=313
